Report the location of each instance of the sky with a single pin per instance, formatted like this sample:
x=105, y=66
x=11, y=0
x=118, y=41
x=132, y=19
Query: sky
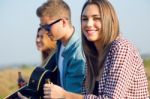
x=19, y=23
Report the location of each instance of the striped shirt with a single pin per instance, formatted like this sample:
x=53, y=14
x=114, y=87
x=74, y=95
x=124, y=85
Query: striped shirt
x=123, y=76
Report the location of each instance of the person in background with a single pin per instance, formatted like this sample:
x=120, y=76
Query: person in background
x=45, y=45
x=115, y=68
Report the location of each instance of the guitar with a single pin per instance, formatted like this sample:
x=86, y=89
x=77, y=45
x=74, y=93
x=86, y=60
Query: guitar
x=34, y=88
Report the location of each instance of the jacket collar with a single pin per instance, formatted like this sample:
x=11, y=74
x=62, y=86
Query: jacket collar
x=71, y=43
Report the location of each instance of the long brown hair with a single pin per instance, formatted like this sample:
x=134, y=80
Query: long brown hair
x=51, y=48
x=110, y=31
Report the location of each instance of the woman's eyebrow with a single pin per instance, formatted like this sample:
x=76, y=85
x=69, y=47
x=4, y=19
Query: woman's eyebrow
x=92, y=15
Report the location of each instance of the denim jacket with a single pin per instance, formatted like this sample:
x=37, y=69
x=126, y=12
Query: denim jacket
x=73, y=64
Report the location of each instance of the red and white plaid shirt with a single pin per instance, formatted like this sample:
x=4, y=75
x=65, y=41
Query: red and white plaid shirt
x=124, y=76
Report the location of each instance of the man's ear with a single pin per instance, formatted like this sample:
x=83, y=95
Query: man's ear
x=64, y=22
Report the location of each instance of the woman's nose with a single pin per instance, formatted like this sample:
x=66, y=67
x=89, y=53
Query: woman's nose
x=90, y=23
x=38, y=39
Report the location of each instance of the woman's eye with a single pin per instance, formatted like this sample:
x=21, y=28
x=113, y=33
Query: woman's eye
x=97, y=19
x=84, y=19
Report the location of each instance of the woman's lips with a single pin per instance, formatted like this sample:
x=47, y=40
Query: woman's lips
x=39, y=44
x=90, y=32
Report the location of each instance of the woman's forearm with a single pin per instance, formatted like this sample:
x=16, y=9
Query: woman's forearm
x=70, y=95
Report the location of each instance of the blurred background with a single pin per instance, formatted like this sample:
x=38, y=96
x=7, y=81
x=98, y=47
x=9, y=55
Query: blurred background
x=19, y=25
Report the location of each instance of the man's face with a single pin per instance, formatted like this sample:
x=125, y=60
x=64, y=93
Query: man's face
x=53, y=26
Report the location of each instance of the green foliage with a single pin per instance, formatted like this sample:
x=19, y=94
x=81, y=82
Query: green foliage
x=147, y=63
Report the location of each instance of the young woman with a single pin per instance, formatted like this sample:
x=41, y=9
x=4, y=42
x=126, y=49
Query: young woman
x=114, y=67
x=45, y=45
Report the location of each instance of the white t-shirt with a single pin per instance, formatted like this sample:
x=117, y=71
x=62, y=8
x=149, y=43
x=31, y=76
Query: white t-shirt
x=60, y=64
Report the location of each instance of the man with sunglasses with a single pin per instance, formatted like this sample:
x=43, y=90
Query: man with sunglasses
x=55, y=17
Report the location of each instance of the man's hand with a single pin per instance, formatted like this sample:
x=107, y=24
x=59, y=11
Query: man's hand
x=53, y=91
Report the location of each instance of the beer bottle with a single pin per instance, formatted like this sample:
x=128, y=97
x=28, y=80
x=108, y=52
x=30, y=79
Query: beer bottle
x=21, y=81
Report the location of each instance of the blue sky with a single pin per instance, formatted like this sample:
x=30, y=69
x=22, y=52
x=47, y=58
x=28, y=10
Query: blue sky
x=19, y=24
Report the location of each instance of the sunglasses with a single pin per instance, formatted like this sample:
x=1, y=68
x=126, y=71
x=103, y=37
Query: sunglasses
x=47, y=27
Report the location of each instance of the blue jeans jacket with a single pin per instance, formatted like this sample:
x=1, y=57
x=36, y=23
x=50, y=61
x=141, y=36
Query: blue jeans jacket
x=73, y=64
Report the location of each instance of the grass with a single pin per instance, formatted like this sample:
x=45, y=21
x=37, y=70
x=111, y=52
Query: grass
x=147, y=69
x=9, y=76
x=8, y=79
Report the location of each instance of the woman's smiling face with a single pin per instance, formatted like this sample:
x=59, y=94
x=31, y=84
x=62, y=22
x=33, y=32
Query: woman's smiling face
x=91, y=22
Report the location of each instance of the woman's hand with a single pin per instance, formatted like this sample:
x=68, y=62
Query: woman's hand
x=53, y=91
x=21, y=96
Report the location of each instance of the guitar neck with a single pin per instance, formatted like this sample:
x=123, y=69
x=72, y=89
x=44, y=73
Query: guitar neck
x=24, y=91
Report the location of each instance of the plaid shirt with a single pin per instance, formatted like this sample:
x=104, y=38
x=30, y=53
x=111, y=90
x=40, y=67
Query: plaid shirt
x=123, y=76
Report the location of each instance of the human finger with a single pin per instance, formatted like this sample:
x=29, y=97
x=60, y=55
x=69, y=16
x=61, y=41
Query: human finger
x=21, y=96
